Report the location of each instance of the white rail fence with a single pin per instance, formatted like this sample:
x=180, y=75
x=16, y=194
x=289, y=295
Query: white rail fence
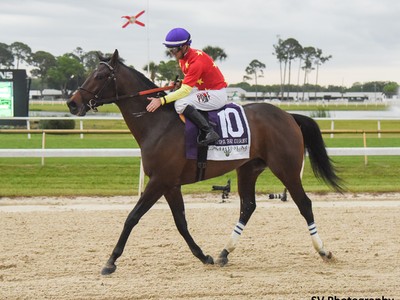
x=132, y=152
x=135, y=152
x=126, y=152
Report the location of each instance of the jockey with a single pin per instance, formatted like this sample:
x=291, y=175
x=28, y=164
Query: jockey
x=203, y=86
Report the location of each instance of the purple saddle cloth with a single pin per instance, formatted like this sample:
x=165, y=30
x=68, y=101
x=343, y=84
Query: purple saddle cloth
x=230, y=123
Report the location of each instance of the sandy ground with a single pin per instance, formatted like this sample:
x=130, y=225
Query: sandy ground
x=54, y=248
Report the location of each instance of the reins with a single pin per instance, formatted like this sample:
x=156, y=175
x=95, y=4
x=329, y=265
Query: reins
x=98, y=101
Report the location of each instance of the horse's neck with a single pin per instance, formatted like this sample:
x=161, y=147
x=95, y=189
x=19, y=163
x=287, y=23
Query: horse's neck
x=147, y=127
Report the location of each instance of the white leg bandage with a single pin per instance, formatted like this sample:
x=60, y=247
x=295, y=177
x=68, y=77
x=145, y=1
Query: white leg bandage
x=316, y=240
x=236, y=233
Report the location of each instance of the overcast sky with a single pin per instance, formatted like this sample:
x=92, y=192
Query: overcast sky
x=361, y=35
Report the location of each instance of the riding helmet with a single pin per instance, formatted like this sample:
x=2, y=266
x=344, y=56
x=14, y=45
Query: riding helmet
x=177, y=37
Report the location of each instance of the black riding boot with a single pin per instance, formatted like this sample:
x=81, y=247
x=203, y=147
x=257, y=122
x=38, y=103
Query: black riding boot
x=206, y=129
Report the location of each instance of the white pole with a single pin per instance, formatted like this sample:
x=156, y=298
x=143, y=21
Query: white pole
x=81, y=127
x=141, y=179
x=28, y=126
x=379, y=128
x=43, y=145
x=148, y=39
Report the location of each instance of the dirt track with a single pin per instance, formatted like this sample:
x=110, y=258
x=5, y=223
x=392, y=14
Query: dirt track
x=55, y=249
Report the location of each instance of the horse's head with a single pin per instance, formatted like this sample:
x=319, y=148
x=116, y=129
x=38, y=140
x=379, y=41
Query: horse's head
x=100, y=85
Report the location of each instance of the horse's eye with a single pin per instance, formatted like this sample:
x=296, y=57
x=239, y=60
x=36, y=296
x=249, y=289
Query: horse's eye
x=99, y=76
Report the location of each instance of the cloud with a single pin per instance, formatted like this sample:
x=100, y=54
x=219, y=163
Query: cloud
x=361, y=35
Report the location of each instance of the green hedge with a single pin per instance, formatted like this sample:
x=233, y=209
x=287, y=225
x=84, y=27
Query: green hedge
x=57, y=124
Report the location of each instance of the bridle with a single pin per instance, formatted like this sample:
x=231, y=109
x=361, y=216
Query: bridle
x=97, y=100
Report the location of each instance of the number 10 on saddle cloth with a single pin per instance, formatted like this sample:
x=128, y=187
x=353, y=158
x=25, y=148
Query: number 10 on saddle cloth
x=231, y=124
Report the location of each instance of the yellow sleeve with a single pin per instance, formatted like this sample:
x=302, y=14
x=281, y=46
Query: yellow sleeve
x=182, y=92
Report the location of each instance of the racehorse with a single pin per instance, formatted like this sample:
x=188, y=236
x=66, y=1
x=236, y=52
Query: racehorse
x=278, y=141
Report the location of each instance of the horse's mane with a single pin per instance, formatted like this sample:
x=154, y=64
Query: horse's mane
x=141, y=77
x=139, y=74
x=150, y=84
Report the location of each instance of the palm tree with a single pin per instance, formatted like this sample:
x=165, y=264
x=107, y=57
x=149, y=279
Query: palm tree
x=152, y=67
x=308, y=56
x=281, y=56
x=286, y=51
x=255, y=68
x=319, y=60
x=293, y=50
x=216, y=53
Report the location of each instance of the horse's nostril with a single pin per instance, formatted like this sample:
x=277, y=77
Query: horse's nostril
x=71, y=104
x=73, y=107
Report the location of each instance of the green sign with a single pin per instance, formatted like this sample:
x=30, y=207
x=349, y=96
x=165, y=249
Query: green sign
x=6, y=99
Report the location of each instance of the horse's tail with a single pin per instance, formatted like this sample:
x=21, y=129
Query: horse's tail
x=321, y=163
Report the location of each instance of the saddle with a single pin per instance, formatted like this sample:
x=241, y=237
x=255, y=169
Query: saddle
x=231, y=124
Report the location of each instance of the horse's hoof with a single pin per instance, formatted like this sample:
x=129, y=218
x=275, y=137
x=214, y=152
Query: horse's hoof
x=108, y=269
x=223, y=258
x=326, y=256
x=222, y=261
x=209, y=260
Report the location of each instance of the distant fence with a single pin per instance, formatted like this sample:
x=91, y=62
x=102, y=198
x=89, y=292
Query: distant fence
x=321, y=99
x=81, y=120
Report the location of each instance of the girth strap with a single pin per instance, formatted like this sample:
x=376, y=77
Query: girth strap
x=201, y=162
x=201, y=154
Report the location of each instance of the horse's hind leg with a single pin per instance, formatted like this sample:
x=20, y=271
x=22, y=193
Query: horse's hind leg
x=305, y=206
x=175, y=202
x=247, y=177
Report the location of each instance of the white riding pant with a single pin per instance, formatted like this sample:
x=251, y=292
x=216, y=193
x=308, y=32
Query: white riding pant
x=203, y=100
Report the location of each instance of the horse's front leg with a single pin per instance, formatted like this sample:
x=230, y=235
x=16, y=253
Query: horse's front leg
x=247, y=177
x=152, y=193
x=175, y=202
x=247, y=208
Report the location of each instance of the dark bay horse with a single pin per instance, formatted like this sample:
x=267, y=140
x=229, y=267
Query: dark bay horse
x=278, y=141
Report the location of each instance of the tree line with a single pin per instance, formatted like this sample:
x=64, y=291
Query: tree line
x=308, y=58
x=67, y=72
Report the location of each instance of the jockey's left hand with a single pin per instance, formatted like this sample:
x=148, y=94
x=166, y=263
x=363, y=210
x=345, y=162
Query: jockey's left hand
x=154, y=104
x=177, y=84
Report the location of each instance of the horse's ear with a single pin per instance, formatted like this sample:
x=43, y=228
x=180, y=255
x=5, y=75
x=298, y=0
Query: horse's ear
x=115, y=58
x=100, y=56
